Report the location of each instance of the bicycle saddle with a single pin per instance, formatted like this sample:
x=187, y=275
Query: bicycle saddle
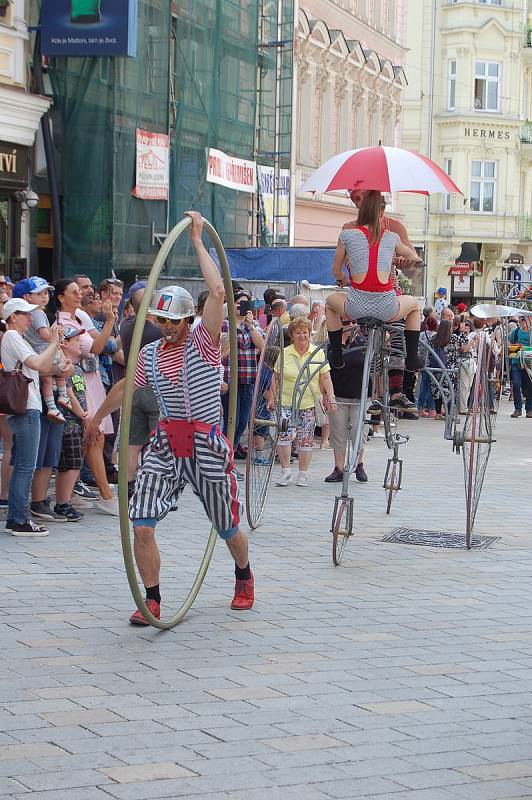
x=370, y=322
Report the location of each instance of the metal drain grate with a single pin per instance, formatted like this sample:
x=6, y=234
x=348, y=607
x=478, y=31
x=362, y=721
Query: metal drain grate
x=453, y=541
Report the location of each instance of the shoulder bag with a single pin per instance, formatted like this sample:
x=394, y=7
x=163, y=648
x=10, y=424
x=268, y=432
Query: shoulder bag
x=14, y=387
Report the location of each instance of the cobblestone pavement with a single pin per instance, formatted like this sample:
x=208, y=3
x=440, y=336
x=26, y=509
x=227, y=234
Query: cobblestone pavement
x=403, y=675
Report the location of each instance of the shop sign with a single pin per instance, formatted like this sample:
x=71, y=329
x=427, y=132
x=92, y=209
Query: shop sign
x=461, y=268
x=89, y=27
x=13, y=165
x=153, y=166
x=461, y=284
x=266, y=181
x=233, y=173
x=482, y=133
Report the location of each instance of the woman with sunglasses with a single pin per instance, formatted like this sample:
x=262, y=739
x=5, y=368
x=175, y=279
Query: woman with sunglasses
x=66, y=305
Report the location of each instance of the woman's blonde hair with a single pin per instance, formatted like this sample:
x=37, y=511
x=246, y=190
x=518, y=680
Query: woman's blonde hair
x=370, y=214
x=299, y=322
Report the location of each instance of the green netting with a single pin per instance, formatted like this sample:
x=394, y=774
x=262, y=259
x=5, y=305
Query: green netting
x=201, y=75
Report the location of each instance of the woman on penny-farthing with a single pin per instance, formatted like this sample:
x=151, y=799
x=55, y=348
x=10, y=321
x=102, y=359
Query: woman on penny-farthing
x=183, y=369
x=370, y=249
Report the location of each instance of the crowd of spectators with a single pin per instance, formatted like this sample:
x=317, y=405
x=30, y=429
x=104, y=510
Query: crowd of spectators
x=72, y=341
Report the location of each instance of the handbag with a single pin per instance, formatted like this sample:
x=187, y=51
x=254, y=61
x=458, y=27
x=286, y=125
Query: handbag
x=14, y=388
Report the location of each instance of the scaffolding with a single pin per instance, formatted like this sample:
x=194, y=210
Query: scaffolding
x=210, y=74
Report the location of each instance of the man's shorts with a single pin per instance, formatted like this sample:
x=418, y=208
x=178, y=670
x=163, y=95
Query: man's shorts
x=144, y=416
x=72, y=447
x=49, y=444
x=347, y=411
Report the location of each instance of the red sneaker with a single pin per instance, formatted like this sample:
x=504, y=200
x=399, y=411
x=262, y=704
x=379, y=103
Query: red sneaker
x=138, y=619
x=244, y=594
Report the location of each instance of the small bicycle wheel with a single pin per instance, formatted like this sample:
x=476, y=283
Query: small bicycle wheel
x=342, y=528
x=392, y=481
x=264, y=424
x=477, y=439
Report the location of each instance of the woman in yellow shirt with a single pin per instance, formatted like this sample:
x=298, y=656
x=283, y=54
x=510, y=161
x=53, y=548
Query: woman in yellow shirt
x=301, y=429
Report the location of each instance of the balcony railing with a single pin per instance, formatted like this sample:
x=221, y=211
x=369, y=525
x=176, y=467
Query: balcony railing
x=526, y=133
x=525, y=229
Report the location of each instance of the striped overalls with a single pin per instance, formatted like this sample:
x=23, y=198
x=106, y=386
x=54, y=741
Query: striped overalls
x=162, y=476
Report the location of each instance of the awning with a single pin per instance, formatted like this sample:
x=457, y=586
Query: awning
x=515, y=258
x=468, y=262
x=459, y=269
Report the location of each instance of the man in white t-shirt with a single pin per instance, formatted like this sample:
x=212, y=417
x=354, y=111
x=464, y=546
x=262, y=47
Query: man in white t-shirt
x=441, y=302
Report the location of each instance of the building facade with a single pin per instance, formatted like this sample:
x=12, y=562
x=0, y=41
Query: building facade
x=20, y=115
x=467, y=105
x=350, y=82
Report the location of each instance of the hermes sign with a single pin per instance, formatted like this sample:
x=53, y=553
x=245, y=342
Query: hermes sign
x=482, y=133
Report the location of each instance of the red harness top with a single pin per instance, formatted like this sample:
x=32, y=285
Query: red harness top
x=371, y=282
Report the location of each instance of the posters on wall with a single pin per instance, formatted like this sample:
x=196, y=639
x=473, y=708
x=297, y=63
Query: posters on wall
x=153, y=166
x=266, y=182
x=89, y=27
x=233, y=173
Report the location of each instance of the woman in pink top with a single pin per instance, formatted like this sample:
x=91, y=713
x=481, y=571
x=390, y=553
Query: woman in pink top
x=66, y=302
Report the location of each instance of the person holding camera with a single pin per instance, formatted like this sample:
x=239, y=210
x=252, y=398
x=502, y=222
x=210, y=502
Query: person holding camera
x=249, y=343
x=66, y=303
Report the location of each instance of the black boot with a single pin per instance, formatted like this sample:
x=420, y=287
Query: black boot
x=336, y=359
x=413, y=362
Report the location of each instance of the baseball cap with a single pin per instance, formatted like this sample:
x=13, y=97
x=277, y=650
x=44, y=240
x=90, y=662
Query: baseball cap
x=69, y=331
x=461, y=307
x=31, y=285
x=441, y=290
x=135, y=288
x=17, y=304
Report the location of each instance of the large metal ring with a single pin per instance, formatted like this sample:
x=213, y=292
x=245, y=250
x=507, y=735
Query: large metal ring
x=127, y=550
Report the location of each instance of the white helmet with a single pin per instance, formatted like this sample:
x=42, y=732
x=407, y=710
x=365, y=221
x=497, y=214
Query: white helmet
x=172, y=302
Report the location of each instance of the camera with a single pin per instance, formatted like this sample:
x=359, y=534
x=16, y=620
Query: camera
x=245, y=306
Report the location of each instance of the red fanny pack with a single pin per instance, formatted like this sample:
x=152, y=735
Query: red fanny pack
x=180, y=434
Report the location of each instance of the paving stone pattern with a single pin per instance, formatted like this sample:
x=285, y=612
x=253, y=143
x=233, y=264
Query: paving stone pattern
x=403, y=675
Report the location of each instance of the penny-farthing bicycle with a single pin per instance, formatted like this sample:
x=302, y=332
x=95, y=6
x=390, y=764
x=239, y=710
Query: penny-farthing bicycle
x=265, y=423
x=129, y=561
x=475, y=439
x=378, y=351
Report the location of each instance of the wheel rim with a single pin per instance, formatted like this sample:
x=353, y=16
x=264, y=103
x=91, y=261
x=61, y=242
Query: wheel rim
x=477, y=439
x=391, y=489
x=127, y=549
x=262, y=442
x=342, y=531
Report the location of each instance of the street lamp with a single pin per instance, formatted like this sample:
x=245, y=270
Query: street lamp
x=27, y=199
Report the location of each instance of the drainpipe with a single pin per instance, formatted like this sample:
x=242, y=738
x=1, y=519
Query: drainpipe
x=430, y=131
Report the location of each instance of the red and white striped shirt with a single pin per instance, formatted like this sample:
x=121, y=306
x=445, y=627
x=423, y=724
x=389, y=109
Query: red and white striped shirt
x=170, y=359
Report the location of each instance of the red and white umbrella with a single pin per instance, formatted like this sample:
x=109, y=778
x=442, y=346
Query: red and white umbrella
x=387, y=169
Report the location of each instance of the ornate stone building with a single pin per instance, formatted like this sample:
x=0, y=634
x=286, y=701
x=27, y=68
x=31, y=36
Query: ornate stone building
x=350, y=81
x=468, y=105
x=20, y=114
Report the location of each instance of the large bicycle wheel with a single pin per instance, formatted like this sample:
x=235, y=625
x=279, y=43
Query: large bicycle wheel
x=127, y=549
x=342, y=529
x=264, y=424
x=477, y=438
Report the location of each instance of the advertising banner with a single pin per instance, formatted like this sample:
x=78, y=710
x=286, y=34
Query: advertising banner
x=153, y=166
x=233, y=173
x=266, y=180
x=89, y=27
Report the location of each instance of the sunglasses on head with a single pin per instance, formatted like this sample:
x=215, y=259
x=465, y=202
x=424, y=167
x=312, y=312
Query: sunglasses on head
x=175, y=323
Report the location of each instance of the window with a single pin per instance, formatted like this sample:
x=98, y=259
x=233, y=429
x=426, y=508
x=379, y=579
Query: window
x=451, y=94
x=448, y=169
x=490, y=2
x=483, y=182
x=487, y=86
